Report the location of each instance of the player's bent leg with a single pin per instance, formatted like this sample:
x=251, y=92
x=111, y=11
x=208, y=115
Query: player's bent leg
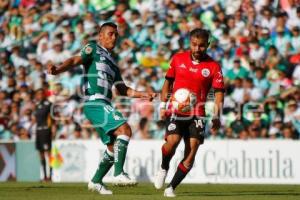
x=123, y=134
x=168, y=150
x=191, y=147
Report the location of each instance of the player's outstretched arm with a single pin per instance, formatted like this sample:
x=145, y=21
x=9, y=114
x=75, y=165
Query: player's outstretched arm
x=127, y=91
x=65, y=66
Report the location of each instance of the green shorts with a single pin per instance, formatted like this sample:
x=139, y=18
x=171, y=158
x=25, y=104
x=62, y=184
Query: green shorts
x=104, y=118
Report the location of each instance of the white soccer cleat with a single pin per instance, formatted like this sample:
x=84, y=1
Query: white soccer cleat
x=160, y=178
x=124, y=180
x=169, y=192
x=97, y=187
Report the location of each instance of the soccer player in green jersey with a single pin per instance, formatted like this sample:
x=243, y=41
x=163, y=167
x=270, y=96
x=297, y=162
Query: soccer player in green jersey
x=101, y=73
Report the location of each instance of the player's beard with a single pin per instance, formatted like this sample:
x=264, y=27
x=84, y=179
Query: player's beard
x=198, y=56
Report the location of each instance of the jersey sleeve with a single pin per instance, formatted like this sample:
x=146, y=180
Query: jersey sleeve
x=118, y=77
x=217, y=80
x=171, y=71
x=87, y=53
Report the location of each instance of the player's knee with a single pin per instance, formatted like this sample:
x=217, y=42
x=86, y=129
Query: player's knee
x=173, y=143
x=127, y=130
x=124, y=130
x=110, y=147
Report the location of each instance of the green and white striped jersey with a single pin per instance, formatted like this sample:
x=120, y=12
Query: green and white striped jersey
x=101, y=72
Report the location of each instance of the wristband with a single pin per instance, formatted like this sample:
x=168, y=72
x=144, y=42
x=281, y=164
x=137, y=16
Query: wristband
x=163, y=105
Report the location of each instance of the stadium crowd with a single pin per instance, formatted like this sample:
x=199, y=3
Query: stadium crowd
x=257, y=43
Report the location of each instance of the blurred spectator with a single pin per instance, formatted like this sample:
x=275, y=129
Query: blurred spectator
x=268, y=20
x=214, y=135
x=260, y=81
x=237, y=71
x=238, y=91
x=71, y=9
x=296, y=75
x=288, y=132
x=273, y=110
x=238, y=129
x=143, y=130
x=292, y=114
x=295, y=40
x=251, y=93
x=257, y=52
x=276, y=128
x=57, y=54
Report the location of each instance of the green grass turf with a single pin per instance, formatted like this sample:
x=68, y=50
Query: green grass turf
x=145, y=191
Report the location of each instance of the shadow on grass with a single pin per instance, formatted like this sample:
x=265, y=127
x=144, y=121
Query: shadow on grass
x=39, y=187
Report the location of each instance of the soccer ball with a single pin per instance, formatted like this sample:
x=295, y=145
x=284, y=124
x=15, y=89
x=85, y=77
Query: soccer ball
x=183, y=100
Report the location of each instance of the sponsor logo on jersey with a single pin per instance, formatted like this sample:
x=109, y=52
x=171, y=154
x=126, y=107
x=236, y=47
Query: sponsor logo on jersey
x=116, y=117
x=205, y=72
x=220, y=78
x=102, y=58
x=171, y=127
x=101, y=66
x=194, y=70
x=88, y=50
x=182, y=66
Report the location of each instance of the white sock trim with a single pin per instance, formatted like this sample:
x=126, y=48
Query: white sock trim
x=110, y=153
x=123, y=137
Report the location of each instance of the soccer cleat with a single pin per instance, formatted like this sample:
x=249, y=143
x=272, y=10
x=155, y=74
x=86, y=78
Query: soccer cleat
x=100, y=188
x=160, y=178
x=169, y=192
x=124, y=180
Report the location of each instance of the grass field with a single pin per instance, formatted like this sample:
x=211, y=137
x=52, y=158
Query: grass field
x=145, y=191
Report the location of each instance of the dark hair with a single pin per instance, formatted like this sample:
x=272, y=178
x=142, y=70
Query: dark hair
x=143, y=122
x=39, y=90
x=249, y=80
x=106, y=24
x=135, y=12
x=199, y=33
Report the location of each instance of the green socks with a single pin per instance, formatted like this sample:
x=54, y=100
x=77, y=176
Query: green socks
x=117, y=158
x=120, y=150
x=104, y=166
